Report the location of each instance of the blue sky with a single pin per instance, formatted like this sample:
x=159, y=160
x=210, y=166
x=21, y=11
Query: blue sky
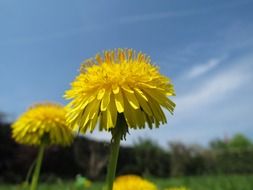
x=205, y=47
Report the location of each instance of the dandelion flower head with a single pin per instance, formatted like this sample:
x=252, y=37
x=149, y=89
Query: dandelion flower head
x=45, y=122
x=119, y=82
x=130, y=182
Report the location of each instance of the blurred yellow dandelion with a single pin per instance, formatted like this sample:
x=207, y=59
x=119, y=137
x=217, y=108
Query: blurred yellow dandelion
x=87, y=183
x=82, y=182
x=132, y=182
x=121, y=82
x=177, y=188
x=41, y=123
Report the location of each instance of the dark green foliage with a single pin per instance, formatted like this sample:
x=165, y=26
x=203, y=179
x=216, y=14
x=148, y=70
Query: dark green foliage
x=189, y=160
x=7, y=154
x=127, y=161
x=91, y=157
x=239, y=141
x=151, y=159
x=146, y=157
x=235, y=161
x=218, y=144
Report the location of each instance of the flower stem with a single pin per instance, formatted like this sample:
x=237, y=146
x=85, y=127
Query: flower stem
x=36, y=173
x=118, y=133
x=115, y=144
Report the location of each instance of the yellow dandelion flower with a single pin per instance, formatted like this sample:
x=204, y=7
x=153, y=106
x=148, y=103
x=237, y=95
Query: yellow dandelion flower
x=42, y=123
x=130, y=182
x=121, y=82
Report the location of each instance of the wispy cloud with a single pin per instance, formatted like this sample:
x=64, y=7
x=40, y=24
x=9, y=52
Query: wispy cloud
x=215, y=88
x=202, y=69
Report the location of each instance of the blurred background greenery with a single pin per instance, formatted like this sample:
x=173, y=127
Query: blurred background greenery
x=224, y=162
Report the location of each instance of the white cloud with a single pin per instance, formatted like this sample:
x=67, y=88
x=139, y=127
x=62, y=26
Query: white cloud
x=215, y=88
x=218, y=105
x=199, y=70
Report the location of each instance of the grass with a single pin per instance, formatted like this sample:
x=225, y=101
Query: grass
x=193, y=183
x=209, y=183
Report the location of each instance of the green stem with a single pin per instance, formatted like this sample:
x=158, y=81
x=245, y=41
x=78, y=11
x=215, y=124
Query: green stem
x=36, y=173
x=31, y=168
x=118, y=132
x=115, y=144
